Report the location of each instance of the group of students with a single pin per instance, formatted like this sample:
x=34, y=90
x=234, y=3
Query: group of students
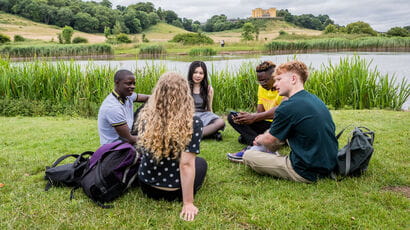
x=168, y=128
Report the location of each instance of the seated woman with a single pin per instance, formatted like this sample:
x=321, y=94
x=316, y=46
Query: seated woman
x=168, y=139
x=203, y=95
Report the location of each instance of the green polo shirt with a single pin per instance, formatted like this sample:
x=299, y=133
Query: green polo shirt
x=306, y=123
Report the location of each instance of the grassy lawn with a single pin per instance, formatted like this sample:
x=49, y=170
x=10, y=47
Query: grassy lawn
x=232, y=196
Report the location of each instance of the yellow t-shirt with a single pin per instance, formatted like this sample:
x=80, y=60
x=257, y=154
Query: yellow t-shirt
x=268, y=99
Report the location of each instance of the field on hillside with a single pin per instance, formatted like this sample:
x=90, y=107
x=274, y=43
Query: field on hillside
x=14, y=25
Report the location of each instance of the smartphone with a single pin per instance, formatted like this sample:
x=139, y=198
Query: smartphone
x=234, y=113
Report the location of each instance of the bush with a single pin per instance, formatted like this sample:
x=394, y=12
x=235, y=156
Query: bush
x=202, y=52
x=398, y=31
x=80, y=40
x=153, y=50
x=123, y=38
x=4, y=38
x=192, y=39
x=67, y=33
x=360, y=28
x=281, y=32
x=18, y=38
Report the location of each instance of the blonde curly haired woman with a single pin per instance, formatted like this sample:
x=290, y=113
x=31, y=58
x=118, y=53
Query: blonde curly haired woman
x=168, y=140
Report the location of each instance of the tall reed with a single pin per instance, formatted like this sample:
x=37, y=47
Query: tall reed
x=46, y=88
x=340, y=44
x=55, y=50
x=202, y=52
x=152, y=50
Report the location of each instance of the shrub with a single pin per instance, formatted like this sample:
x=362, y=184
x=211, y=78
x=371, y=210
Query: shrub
x=281, y=32
x=80, y=40
x=330, y=29
x=192, y=39
x=398, y=31
x=153, y=50
x=18, y=38
x=360, y=28
x=123, y=38
x=4, y=38
x=67, y=33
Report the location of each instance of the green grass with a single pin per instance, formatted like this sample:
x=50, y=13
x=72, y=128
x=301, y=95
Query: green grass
x=202, y=52
x=232, y=197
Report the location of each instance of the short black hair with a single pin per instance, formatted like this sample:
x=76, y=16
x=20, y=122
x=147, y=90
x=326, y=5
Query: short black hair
x=120, y=74
x=265, y=66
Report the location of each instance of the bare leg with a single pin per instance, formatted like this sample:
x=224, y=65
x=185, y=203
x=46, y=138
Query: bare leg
x=212, y=128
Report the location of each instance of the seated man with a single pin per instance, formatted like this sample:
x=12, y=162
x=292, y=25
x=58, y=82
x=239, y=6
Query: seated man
x=116, y=115
x=305, y=122
x=250, y=125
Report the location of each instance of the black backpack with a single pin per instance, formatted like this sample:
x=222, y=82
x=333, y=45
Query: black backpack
x=353, y=159
x=68, y=174
x=111, y=171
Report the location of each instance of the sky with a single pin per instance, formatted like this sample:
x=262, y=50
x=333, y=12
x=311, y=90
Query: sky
x=380, y=14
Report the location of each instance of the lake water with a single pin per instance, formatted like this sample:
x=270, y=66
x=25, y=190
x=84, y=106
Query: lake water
x=393, y=63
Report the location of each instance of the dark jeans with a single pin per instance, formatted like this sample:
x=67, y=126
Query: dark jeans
x=251, y=131
x=200, y=171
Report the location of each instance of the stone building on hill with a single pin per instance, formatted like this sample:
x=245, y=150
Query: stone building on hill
x=261, y=13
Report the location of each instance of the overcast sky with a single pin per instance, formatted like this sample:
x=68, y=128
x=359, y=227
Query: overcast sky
x=380, y=14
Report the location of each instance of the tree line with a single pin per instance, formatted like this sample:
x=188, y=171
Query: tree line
x=95, y=17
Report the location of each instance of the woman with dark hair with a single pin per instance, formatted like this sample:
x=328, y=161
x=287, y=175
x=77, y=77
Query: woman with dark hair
x=203, y=94
x=169, y=136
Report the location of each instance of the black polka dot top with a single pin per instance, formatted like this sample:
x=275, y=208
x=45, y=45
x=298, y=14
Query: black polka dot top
x=165, y=172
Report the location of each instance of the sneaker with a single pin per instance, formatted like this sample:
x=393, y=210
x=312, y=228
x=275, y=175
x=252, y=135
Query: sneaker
x=237, y=157
x=218, y=136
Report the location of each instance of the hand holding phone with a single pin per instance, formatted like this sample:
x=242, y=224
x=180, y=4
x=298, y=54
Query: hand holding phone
x=234, y=113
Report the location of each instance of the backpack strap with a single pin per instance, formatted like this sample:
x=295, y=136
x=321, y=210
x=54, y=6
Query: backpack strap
x=341, y=132
x=59, y=160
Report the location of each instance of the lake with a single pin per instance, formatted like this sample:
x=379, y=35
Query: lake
x=392, y=63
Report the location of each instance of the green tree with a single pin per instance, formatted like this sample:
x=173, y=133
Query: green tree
x=107, y=32
x=153, y=18
x=360, y=28
x=177, y=22
x=247, y=31
x=117, y=28
x=330, y=29
x=170, y=16
x=85, y=22
x=106, y=3
x=64, y=17
x=67, y=33
x=398, y=31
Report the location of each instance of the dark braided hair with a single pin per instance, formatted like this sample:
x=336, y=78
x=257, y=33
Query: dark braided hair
x=204, y=83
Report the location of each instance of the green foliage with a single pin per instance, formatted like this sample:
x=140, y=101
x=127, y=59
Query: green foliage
x=56, y=50
x=69, y=87
x=19, y=38
x=247, y=31
x=4, y=38
x=339, y=44
x=202, y=52
x=60, y=38
x=281, y=33
x=306, y=20
x=152, y=50
x=360, y=28
x=77, y=40
x=67, y=33
x=123, y=38
x=144, y=38
x=107, y=32
x=398, y=31
x=330, y=29
x=192, y=39
x=232, y=196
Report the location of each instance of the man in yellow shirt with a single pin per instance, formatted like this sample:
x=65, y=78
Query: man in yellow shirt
x=250, y=125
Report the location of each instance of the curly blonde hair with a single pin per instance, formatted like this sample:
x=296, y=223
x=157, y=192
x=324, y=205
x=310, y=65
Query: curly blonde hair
x=165, y=122
x=295, y=66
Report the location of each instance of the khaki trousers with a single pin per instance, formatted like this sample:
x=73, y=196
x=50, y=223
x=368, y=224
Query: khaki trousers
x=272, y=164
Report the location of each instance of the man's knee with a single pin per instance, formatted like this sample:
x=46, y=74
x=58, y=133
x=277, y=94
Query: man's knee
x=249, y=157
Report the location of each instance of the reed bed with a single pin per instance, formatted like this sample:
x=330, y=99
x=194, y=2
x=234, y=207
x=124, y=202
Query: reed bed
x=56, y=50
x=202, y=52
x=45, y=88
x=153, y=50
x=340, y=44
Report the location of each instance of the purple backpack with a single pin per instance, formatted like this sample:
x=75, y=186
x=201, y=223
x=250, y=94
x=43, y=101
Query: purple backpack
x=112, y=170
